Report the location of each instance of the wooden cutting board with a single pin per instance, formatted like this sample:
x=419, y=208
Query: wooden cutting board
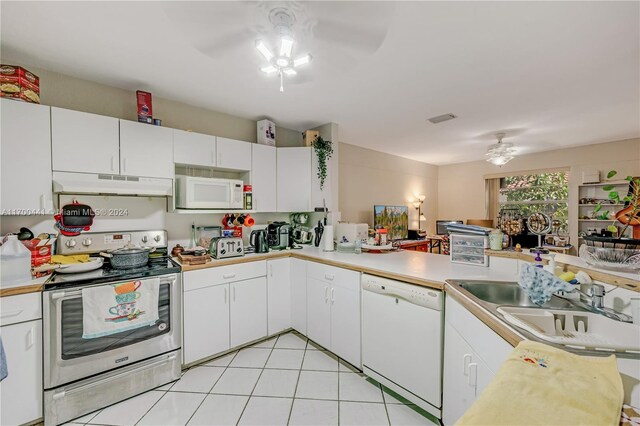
x=189, y=259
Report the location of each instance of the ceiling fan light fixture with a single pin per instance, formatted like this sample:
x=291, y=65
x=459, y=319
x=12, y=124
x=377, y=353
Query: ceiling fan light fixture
x=282, y=62
x=286, y=46
x=264, y=50
x=302, y=60
x=289, y=71
x=500, y=153
x=268, y=69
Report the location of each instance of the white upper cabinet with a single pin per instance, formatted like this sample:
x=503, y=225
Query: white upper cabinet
x=294, y=179
x=25, y=152
x=320, y=197
x=194, y=149
x=146, y=150
x=263, y=177
x=233, y=154
x=83, y=142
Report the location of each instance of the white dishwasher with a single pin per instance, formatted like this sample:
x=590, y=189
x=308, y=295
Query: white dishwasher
x=402, y=339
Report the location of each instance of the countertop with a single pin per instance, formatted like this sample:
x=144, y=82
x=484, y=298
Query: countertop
x=431, y=270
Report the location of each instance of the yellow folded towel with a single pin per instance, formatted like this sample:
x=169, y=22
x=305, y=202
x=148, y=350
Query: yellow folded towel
x=542, y=385
x=69, y=259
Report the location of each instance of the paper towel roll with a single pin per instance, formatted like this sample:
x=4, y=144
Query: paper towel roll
x=327, y=238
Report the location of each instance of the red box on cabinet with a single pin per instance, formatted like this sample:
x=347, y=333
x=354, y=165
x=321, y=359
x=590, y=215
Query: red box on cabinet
x=18, y=83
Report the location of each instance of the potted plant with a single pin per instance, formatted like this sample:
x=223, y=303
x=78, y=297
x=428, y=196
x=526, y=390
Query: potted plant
x=323, y=150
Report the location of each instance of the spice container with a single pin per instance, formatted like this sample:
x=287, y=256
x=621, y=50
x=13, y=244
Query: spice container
x=383, y=237
x=248, y=197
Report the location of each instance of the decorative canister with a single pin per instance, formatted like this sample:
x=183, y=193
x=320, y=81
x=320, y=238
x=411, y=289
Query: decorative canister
x=495, y=239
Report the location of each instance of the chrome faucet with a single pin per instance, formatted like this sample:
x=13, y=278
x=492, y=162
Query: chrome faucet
x=595, y=303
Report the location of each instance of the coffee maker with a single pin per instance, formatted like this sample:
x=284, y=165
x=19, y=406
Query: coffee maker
x=278, y=235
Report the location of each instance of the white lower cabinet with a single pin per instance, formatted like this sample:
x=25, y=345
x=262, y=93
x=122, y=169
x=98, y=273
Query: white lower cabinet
x=333, y=310
x=206, y=322
x=318, y=312
x=21, y=333
x=223, y=307
x=248, y=310
x=278, y=295
x=473, y=354
x=298, y=279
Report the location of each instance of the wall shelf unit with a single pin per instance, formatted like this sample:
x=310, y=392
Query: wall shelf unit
x=595, y=191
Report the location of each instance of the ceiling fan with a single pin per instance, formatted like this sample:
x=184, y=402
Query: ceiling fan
x=282, y=63
x=343, y=34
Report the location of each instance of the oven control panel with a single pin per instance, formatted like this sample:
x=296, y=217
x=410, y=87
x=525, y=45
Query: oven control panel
x=95, y=242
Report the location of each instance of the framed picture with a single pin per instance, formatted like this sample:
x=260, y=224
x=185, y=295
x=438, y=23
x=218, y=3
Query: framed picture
x=395, y=219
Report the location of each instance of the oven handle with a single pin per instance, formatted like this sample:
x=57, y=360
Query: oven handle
x=62, y=294
x=82, y=388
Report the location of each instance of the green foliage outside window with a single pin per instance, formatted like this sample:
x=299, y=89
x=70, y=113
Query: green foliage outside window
x=544, y=192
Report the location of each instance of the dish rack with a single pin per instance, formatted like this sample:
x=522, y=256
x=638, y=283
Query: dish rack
x=469, y=249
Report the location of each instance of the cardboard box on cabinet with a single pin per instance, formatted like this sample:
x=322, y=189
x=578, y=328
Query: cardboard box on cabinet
x=266, y=132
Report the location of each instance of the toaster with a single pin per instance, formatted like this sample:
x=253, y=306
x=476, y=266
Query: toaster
x=224, y=247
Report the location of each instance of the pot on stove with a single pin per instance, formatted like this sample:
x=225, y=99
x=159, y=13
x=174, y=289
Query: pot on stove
x=128, y=256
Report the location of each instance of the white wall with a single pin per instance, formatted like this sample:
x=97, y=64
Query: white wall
x=370, y=177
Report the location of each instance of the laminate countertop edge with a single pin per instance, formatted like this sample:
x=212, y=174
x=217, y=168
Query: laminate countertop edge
x=24, y=289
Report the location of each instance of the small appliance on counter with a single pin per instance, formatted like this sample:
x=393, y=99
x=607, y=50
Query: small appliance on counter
x=259, y=241
x=351, y=232
x=278, y=235
x=225, y=247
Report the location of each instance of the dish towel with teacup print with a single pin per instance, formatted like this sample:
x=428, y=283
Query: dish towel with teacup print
x=542, y=385
x=111, y=309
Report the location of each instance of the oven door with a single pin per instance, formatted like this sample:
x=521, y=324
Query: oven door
x=69, y=357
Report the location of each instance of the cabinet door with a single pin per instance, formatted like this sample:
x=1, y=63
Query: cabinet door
x=263, y=178
x=321, y=197
x=299, y=295
x=318, y=312
x=278, y=295
x=146, y=150
x=206, y=322
x=248, y=310
x=294, y=179
x=21, y=391
x=194, y=149
x=345, y=324
x=458, y=387
x=83, y=142
x=233, y=154
x=25, y=127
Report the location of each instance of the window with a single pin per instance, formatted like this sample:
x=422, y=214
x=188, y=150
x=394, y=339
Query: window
x=543, y=192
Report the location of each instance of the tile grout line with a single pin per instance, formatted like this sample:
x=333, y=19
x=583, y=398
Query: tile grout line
x=260, y=375
x=293, y=401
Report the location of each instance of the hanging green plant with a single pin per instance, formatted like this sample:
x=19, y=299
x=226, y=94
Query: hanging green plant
x=324, y=150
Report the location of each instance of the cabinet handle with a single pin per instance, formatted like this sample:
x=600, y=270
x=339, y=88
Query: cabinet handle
x=30, y=339
x=219, y=158
x=333, y=291
x=329, y=277
x=124, y=164
x=270, y=267
x=225, y=295
x=234, y=294
x=113, y=163
x=472, y=380
x=10, y=314
x=326, y=294
x=228, y=276
x=213, y=158
x=466, y=359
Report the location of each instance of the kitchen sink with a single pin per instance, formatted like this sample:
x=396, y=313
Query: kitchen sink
x=575, y=328
x=508, y=294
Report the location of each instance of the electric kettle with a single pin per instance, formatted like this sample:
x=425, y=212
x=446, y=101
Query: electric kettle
x=258, y=240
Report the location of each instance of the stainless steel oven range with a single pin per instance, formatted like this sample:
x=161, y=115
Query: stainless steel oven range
x=83, y=374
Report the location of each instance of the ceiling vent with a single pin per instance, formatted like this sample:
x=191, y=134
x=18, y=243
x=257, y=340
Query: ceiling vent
x=441, y=118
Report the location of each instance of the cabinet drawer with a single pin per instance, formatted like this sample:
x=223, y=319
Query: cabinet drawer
x=20, y=308
x=194, y=280
x=339, y=277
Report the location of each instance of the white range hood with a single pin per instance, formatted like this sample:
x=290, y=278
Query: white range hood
x=90, y=183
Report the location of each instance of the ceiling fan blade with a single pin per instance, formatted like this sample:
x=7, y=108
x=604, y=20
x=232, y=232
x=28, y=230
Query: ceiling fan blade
x=367, y=39
x=226, y=43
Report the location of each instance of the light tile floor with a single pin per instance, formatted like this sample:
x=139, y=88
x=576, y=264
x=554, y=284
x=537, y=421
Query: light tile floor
x=283, y=380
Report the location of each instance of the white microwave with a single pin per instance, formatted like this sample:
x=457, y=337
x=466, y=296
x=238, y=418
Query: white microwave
x=208, y=193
